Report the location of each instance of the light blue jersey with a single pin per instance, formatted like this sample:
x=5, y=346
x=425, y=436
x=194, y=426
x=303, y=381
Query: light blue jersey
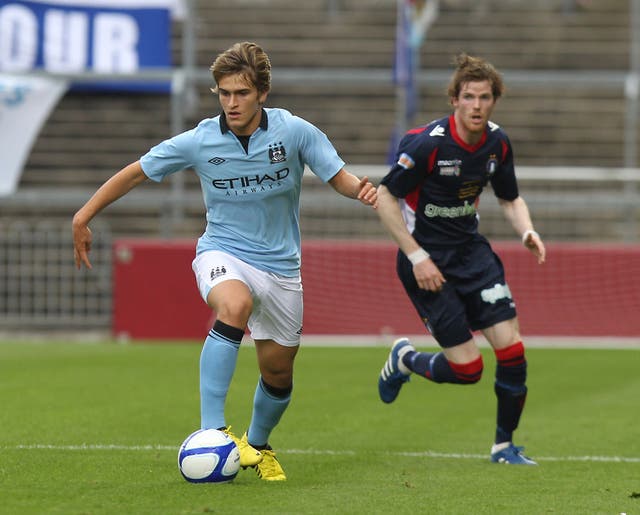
x=253, y=198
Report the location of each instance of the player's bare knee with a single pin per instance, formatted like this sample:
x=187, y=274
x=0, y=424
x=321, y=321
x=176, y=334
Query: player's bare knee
x=235, y=310
x=277, y=377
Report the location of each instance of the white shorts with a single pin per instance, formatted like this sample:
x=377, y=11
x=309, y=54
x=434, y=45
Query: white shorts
x=277, y=300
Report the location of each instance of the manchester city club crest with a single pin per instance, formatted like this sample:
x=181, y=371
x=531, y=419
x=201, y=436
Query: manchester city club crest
x=277, y=153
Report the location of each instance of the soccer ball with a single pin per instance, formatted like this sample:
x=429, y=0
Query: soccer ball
x=209, y=456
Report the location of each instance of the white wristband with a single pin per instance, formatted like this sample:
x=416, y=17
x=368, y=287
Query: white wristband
x=526, y=234
x=418, y=256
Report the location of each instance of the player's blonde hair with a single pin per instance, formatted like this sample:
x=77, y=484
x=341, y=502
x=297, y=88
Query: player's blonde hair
x=247, y=59
x=474, y=69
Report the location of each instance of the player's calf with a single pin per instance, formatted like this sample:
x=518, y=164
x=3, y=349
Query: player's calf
x=437, y=368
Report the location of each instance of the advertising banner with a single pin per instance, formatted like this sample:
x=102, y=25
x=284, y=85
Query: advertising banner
x=25, y=104
x=69, y=37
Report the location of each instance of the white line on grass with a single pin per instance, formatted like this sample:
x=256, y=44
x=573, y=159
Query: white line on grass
x=425, y=340
x=320, y=452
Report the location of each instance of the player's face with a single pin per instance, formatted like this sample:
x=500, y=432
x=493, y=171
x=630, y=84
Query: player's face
x=473, y=108
x=241, y=103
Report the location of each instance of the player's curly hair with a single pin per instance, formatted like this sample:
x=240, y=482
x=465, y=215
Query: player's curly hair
x=247, y=59
x=474, y=69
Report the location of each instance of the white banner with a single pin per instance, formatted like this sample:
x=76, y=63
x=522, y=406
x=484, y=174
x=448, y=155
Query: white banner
x=25, y=104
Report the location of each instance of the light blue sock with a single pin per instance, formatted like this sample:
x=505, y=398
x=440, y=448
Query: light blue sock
x=267, y=410
x=217, y=364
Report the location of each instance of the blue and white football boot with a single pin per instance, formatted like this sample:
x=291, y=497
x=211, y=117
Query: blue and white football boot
x=394, y=373
x=511, y=455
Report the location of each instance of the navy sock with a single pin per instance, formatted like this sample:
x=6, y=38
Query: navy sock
x=510, y=390
x=418, y=362
x=436, y=367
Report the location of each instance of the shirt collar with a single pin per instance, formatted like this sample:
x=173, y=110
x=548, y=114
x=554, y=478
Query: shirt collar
x=264, y=122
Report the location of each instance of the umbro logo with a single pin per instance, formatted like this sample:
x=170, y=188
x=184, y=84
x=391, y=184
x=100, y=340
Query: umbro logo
x=438, y=130
x=217, y=161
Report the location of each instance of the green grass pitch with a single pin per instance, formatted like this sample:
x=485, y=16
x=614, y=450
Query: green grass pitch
x=94, y=429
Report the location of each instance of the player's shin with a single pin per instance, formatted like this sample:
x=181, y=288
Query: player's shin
x=510, y=389
x=436, y=367
x=217, y=365
x=269, y=403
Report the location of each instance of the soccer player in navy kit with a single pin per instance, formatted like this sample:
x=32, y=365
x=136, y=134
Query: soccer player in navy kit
x=250, y=161
x=428, y=202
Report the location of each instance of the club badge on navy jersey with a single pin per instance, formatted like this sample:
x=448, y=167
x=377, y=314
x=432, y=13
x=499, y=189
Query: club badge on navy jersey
x=277, y=153
x=492, y=165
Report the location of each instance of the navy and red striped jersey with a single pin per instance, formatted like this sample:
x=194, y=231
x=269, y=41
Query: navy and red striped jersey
x=439, y=179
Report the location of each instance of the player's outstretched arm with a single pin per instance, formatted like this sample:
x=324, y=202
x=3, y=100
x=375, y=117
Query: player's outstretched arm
x=350, y=186
x=426, y=272
x=517, y=212
x=122, y=182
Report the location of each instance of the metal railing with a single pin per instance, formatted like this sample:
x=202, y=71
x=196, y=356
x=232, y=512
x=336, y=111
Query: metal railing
x=40, y=288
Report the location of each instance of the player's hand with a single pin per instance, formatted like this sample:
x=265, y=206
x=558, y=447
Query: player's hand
x=428, y=276
x=534, y=243
x=367, y=193
x=81, y=245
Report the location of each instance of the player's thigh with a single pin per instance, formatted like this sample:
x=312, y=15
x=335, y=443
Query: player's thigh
x=503, y=334
x=463, y=353
x=214, y=267
x=484, y=290
x=232, y=302
x=278, y=310
x=225, y=284
x=443, y=312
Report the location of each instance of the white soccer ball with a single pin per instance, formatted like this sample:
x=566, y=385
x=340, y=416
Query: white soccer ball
x=209, y=456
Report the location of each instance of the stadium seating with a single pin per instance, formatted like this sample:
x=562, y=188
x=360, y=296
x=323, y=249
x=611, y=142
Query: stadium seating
x=91, y=135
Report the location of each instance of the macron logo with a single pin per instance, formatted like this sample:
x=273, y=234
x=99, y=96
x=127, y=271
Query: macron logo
x=437, y=131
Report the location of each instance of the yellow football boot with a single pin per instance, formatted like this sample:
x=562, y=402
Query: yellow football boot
x=249, y=457
x=269, y=468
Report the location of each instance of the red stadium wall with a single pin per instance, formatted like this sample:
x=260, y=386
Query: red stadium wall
x=351, y=288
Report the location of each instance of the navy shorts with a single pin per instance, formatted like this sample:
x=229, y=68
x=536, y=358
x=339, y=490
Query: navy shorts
x=475, y=296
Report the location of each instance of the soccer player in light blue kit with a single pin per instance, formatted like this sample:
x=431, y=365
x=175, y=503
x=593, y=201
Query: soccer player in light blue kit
x=250, y=161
